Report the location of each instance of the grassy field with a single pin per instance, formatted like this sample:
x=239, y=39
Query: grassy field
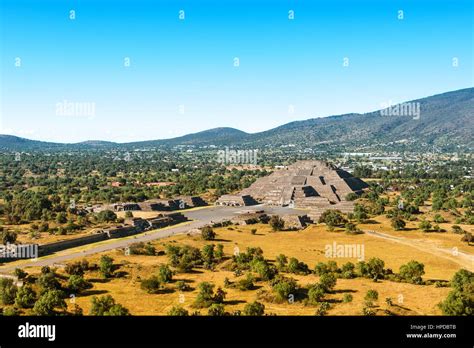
x=308, y=246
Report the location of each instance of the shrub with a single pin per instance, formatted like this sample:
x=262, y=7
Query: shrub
x=77, y=283
x=10, y=311
x=351, y=196
x=348, y=270
x=49, y=301
x=375, y=268
x=332, y=218
x=371, y=295
x=21, y=274
x=25, y=297
x=398, y=224
x=323, y=308
x=106, y=216
x=460, y=300
x=254, y=309
x=205, y=296
x=8, y=237
x=216, y=309
x=106, y=266
x=182, y=286
x=281, y=262
x=106, y=306
x=315, y=293
x=321, y=268
x=283, y=288
x=151, y=285
x=165, y=275
x=208, y=255
x=219, y=253
x=142, y=249
x=297, y=267
x=276, y=223
x=183, y=258
x=347, y=298
x=246, y=283
x=264, y=269
x=327, y=281
x=77, y=268
x=48, y=281
x=208, y=233
x=178, y=311
x=425, y=225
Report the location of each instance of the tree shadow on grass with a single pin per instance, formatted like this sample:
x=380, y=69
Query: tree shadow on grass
x=341, y=291
x=93, y=292
x=234, y=302
x=100, y=280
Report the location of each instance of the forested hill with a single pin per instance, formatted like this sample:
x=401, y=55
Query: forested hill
x=444, y=120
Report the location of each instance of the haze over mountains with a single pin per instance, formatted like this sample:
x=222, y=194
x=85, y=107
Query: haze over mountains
x=445, y=120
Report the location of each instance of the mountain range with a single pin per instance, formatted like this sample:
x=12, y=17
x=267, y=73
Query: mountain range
x=444, y=120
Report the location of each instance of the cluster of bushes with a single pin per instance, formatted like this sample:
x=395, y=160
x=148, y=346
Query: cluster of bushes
x=142, y=248
x=332, y=219
x=207, y=297
x=291, y=266
x=155, y=283
x=185, y=258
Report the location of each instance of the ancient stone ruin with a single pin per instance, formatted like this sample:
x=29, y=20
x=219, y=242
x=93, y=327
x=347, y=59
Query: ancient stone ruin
x=314, y=185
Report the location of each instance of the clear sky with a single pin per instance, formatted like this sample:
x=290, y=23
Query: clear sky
x=182, y=76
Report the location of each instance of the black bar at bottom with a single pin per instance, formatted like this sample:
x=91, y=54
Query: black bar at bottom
x=225, y=331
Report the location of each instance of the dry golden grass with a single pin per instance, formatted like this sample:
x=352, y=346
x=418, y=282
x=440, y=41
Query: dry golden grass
x=307, y=245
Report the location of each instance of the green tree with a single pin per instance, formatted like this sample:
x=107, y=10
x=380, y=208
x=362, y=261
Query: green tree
x=48, y=281
x=106, y=306
x=208, y=233
x=77, y=283
x=106, y=266
x=165, y=275
x=281, y=262
x=412, y=272
x=49, y=301
x=327, y=281
x=332, y=218
x=106, y=216
x=25, y=297
x=315, y=293
x=205, y=295
x=8, y=291
x=375, y=268
x=398, y=224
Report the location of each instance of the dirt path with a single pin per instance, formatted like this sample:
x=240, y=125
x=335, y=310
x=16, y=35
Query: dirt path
x=463, y=259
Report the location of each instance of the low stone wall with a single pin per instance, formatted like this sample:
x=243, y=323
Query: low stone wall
x=50, y=248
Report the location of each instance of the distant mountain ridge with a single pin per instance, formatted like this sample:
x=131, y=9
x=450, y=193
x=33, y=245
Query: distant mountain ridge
x=444, y=119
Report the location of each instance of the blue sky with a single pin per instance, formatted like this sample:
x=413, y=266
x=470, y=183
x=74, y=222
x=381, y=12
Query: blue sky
x=182, y=77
